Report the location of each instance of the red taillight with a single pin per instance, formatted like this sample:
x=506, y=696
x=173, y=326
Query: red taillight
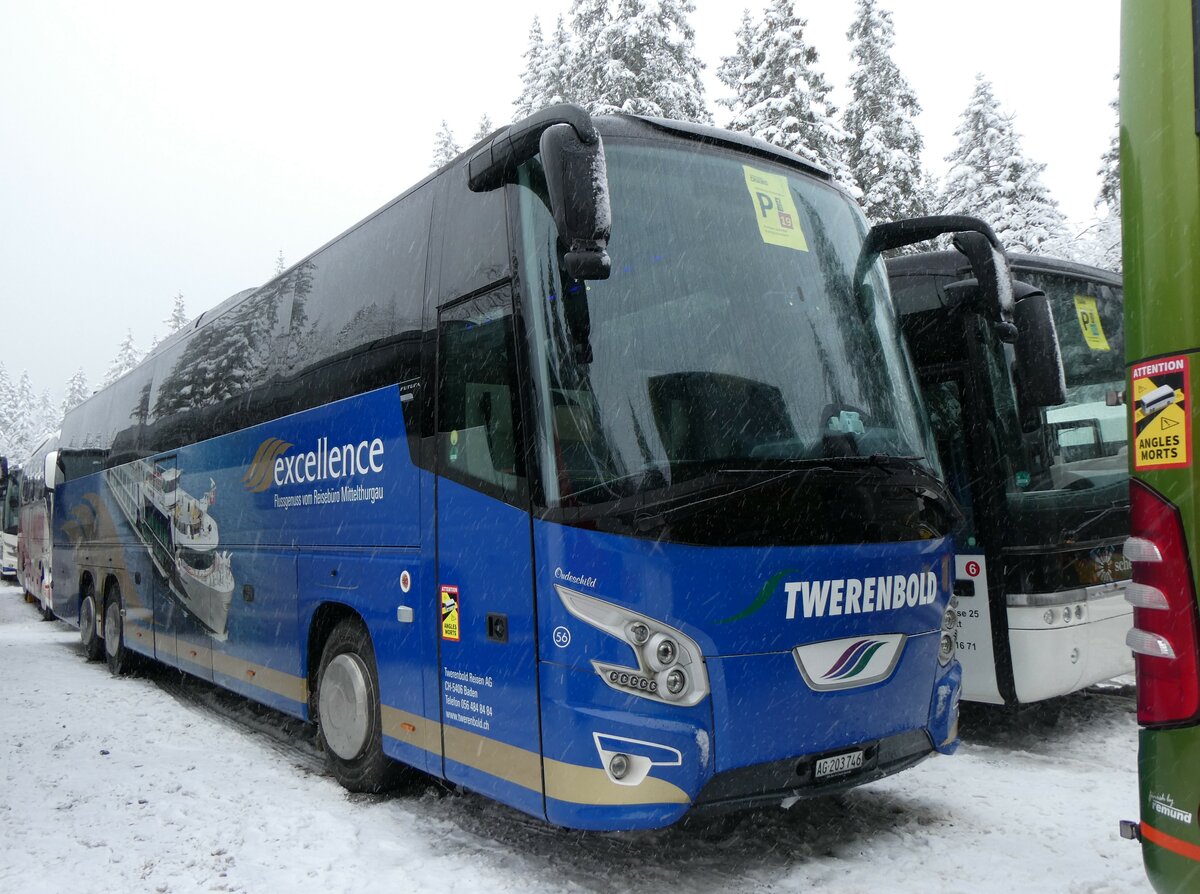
x=1164, y=636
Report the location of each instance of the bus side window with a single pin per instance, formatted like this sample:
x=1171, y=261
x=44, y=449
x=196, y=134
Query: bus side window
x=477, y=437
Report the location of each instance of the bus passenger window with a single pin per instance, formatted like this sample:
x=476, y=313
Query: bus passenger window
x=477, y=404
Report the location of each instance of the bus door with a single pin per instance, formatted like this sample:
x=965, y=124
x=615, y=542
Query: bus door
x=487, y=636
x=945, y=394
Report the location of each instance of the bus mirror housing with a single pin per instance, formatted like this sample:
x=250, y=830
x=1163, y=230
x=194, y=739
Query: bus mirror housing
x=573, y=160
x=1040, y=375
x=577, y=182
x=53, y=476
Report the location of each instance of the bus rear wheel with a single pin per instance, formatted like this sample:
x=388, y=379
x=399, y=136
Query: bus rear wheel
x=348, y=711
x=93, y=643
x=115, y=653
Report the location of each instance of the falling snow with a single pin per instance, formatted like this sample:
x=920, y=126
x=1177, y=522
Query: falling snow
x=157, y=782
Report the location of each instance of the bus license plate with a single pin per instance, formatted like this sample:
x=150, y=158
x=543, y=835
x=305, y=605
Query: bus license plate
x=838, y=764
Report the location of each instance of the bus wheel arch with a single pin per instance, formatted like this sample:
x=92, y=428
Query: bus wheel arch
x=346, y=706
x=89, y=619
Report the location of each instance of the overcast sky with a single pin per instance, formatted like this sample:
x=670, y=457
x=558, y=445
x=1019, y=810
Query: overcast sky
x=151, y=148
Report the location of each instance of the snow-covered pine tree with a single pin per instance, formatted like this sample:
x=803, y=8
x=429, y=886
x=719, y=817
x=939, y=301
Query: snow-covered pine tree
x=733, y=69
x=531, y=76
x=128, y=356
x=26, y=427
x=484, y=129
x=883, y=146
x=445, y=149
x=1107, y=235
x=991, y=178
x=549, y=68
x=178, y=317
x=48, y=417
x=77, y=391
x=648, y=62
x=280, y=263
x=7, y=401
x=586, y=74
x=780, y=96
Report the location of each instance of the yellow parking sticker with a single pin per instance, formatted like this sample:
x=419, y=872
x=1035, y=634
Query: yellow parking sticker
x=1162, y=414
x=1089, y=322
x=774, y=209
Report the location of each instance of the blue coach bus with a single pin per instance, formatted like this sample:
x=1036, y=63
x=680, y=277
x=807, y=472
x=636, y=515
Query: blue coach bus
x=588, y=474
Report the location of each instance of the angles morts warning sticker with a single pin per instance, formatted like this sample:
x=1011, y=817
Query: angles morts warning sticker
x=449, y=612
x=1162, y=414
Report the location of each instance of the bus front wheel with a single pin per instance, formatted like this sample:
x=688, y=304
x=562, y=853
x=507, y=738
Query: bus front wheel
x=348, y=711
x=93, y=644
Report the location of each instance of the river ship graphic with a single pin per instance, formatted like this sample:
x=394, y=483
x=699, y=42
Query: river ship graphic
x=181, y=537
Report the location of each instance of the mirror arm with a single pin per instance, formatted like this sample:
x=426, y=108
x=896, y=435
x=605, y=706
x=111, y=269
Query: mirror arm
x=883, y=237
x=498, y=159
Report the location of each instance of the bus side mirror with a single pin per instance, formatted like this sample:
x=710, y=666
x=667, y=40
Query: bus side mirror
x=577, y=182
x=1040, y=376
x=990, y=266
x=573, y=161
x=53, y=477
x=3, y=470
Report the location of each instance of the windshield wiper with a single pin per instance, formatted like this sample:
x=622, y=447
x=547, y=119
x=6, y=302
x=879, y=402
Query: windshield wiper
x=925, y=482
x=1070, y=535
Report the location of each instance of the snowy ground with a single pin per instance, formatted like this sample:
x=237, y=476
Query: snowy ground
x=161, y=783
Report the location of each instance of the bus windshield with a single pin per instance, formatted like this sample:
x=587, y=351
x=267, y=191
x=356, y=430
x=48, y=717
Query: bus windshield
x=729, y=336
x=1086, y=436
x=11, y=504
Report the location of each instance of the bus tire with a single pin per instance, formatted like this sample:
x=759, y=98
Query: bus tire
x=348, y=711
x=115, y=653
x=93, y=643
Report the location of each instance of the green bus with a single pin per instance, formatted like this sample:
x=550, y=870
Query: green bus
x=1160, y=181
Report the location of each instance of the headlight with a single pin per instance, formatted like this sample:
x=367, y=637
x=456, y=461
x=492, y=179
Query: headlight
x=670, y=667
x=946, y=649
x=947, y=645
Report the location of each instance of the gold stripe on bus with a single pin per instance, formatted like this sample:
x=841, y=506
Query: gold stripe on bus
x=194, y=654
x=508, y=762
x=277, y=681
x=591, y=785
x=164, y=646
x=412, y=729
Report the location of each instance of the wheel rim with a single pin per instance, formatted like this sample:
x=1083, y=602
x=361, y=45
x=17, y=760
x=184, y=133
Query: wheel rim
x=87, y=621
x=344, y=705
x=112, y=629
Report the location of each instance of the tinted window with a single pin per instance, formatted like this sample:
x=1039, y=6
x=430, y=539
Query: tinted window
x=477, y=436
x=356, y=319
x=363, y=289
x=83, y=447
x=475, y=238
x=206, y=380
